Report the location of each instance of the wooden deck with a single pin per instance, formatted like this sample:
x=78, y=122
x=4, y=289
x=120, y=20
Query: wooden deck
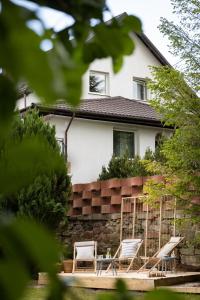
x=134, y=281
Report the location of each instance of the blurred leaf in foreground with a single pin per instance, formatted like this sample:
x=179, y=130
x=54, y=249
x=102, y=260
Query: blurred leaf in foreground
x=23, y=244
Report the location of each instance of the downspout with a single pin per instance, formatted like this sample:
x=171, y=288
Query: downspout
x=66, y=131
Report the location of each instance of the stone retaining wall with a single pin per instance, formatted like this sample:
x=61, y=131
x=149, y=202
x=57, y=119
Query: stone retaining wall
x=95, y=215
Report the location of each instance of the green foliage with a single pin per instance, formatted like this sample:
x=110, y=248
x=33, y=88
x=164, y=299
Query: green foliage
x=52, y=75
x=19, y=251
x=184, y=38
x=27, y=163
x=69, y=57
x=162, y=294
x=123, y=167
x=177, y=101
x=44, y=198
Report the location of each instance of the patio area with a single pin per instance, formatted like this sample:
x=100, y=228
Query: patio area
x=134, y=281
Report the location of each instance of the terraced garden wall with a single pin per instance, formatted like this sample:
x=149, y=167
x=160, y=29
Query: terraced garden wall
x=94, y=214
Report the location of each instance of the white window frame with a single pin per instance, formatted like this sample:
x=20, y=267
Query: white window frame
x=142, y=82
x=61, y=144
x=107, y=87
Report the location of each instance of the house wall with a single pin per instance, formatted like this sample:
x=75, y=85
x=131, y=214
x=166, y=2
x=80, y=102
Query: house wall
x=27, y=101
x=90, y=144
x=120, y=84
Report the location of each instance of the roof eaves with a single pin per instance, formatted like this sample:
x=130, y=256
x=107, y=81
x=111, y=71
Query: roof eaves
x=102, y=117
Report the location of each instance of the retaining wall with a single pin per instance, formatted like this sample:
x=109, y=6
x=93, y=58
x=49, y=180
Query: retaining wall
x=94, y=214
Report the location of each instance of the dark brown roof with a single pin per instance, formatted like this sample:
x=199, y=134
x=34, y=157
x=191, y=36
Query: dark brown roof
x=115, y=106
x=115, y=109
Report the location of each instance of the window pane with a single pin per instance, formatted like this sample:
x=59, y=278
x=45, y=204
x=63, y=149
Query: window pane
x=139, y=90
x=135, y=90
x=97, y=83
x=123, y=142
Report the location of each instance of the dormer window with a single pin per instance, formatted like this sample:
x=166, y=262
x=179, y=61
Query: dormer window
x=98, y=83
x=139, y=89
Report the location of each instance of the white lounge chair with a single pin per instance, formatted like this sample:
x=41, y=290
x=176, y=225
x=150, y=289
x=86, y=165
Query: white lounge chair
x=154, y=261
x=127, y=252
x=85, y=252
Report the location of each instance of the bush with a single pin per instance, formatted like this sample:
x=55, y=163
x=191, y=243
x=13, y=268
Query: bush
x=123, y=167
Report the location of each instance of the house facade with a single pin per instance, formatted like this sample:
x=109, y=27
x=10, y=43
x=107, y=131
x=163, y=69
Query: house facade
x=114, y=115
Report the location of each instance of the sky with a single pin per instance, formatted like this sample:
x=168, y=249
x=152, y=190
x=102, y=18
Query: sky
x=149, y=12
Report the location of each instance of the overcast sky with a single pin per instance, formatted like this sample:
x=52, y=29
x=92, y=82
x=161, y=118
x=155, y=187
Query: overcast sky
x=149, y=11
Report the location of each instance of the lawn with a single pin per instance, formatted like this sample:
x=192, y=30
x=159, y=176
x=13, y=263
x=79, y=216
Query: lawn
x=38, y=293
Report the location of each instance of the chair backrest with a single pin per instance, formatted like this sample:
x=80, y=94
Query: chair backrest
x=169, y=247
x=129, y=248
x=85, y=250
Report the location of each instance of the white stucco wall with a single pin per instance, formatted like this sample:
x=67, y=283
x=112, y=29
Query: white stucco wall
x=27, y=101
x=90, y=144
x=120, y=84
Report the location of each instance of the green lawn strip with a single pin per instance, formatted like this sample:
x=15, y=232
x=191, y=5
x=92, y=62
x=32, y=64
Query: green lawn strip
x=39, y=293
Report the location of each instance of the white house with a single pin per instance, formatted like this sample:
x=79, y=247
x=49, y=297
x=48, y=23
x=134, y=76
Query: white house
x=114, y=113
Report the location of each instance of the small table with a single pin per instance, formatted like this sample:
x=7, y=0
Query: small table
x=105, y=261
x=168, y=260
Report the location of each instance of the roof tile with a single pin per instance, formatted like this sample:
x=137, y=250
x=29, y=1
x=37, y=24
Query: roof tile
x=114, y=106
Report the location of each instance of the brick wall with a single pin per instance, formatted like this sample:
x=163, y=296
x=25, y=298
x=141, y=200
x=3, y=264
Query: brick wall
x=105, y=196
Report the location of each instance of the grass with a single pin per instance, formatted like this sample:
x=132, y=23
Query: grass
x=39, y=293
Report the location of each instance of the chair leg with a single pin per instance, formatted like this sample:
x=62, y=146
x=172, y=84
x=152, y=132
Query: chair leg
x=130, y=265
x=142, y=267
x=155, y=265
x=108, y=268
x=95, y=266
x=73, y=269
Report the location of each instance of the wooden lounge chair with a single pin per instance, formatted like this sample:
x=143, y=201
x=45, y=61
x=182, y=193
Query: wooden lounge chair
x=84, y=252
x=154, y=261
x=127, y=252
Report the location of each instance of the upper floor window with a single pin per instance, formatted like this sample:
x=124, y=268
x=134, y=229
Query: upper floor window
x=98, y=83
x=123, y=142
x=139, y=89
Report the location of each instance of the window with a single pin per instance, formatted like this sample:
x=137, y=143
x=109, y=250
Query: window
x=139, y=89
x=98, y=82
x=61, y=145
x=158, y=139
x=123, y=142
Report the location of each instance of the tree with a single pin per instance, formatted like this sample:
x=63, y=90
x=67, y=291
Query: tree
x=176, y=99
x=52, y=75
x=45, y=198
x=184, y=38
